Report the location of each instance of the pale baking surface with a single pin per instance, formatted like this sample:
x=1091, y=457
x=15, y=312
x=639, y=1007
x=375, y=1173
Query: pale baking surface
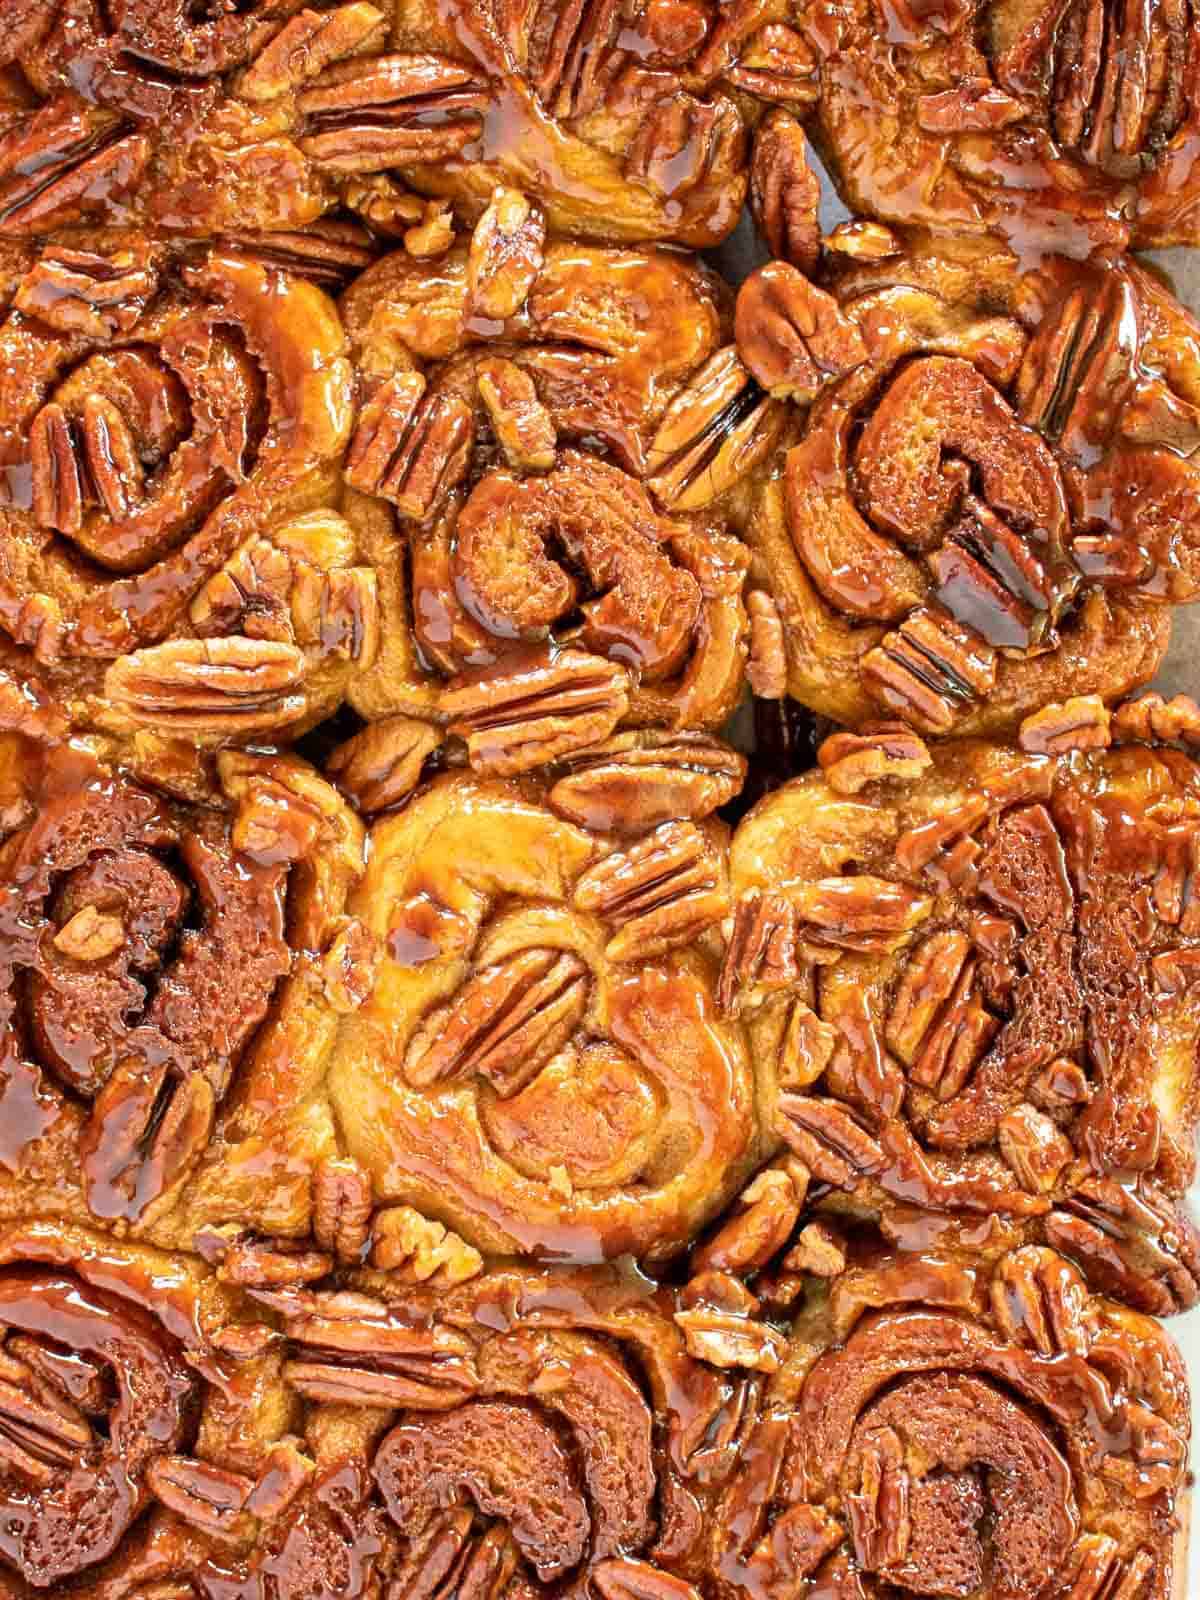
x=1180, y=675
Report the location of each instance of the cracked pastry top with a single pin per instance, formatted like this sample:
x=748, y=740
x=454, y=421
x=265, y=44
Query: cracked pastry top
x=566, y=438
x=975, y=962
x=174, y=557
x=985, y=499
x=625, y=121
x=1062, y=126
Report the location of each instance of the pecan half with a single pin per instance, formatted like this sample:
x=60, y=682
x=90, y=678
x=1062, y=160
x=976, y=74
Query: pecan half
x=386, y=111
x=636, y=780
x=831, y=1143
x=1079, y=724
x=793, y=336
x=1096, y=1570
x=764, y=1215
x=878, y=750
x=410, y=446
x=930, y=669
x=210, y=686
x=784, y=192
x=1040, y=1301
x=341, y=1207
x=97, y=293
x=307, y=44
x=1081, y=367
x=682, y=142
x=504, y=1024
x=1151, y=717
x=523, y=427
x=382, y=765
x=775, y=64
x=352, y=1349
x=1034, y=1148
x=763, y=949
x=210, y=1498
x=1134, y=1242
x=766, y=668
x=712, y=433
x=514, y=721
x=662, y=891
x=64, y=161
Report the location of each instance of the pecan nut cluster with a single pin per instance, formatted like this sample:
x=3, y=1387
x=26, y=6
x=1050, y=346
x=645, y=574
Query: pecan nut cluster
x=599, y=963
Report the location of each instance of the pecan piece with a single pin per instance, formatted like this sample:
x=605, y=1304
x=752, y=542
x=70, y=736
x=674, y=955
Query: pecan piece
x=209, y=686
x=328, y=252
x=505, y=256
x=1034, y=1148
x=504, y=1024
x=636, y=780
x=784, y=192
x=416, y=1247
x=861, y=240
x=523, y=427
x=90, y=935
x=712, y=433
x=1152, y=718
x=411, y=447
x=97, y=293
x=879, y=1510
x=388, y=110
x=820, y=1250
x=878, y=750
x=793, y=336
x=858, y=913
x=775, y=64
x=307, y=44
x=683, y=142
x=382, y=765
x=1082, y=723
x=929, y=669
x=622, y=1578
x=726, y=1340
x=270, y=1263
x=766, y=669
x=561, y=703
x=434, y=234
x=662, y=891
x=767, y=1210
x=342, y=1204
x=349, y=966
x=1096, y=1570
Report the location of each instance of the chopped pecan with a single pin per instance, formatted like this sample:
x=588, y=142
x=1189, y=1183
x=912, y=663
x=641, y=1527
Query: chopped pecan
x=766, y=668
x=307, y=44
x=1153, y=718
x=820, y=1250
x=862, y=240
x=662, y=891
x=793, y=336
x=434, y=234
x=1041, y=1301
x=713, y=432
x=380, y=201
x=929, y=669
x=523, y=427
x=766, y=1212
x=416, y=1247
x=342, y=1204
x=682, y=142
x=561, y=703
x=775, y=64
x=1033, y=1148
x=211, y=1498
x=636, y=780
x=411, y=447
x=827, y=1138
x=726, y=1340
x=349, y=966
x=878, y=750
x=381, y=766
x=505, y=256
x=210, y=686
x=1078, y=724
x=352, y=1349
x=90, y=935
x=97, y=293
x=784, y=192
x=384, y=111
x=505, y=1023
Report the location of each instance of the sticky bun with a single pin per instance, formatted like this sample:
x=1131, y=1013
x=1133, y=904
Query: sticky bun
x=626, y=121
x=567, y=440
x=1057, y=126
x=173, y=549
x=983, y=500
x=971, y=962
